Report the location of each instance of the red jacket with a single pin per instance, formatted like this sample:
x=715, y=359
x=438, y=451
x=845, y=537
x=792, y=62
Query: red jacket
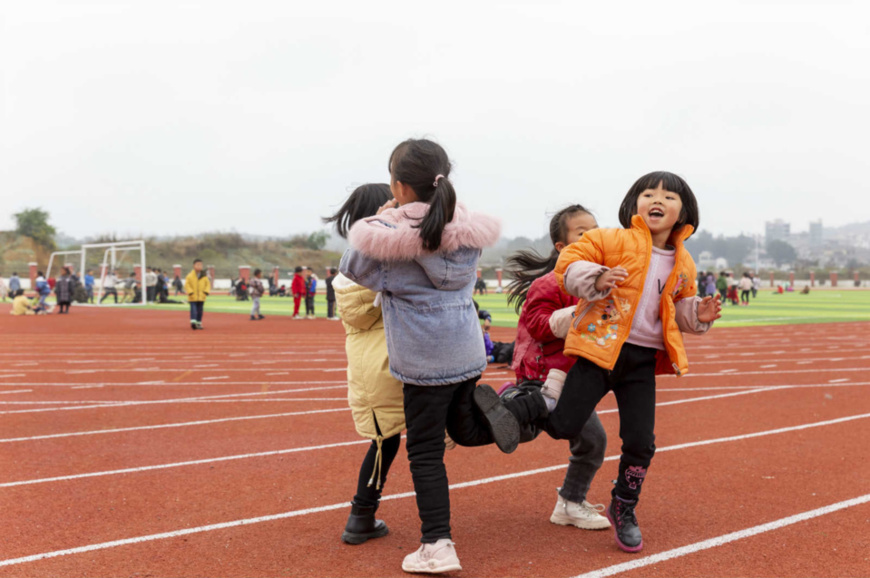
x=537, y=349
x=298, y=286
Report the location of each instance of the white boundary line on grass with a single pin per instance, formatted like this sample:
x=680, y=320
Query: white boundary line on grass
x=307, y=511
x=725, y=539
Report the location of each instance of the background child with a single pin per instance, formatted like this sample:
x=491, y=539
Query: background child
x=108, y=285
x=21, y=304
x=310, y=292
x=43, y=290
x=197, y=286
x=637, y=287
x=375, y=396
x=422, y=257
x=297, y=287
x=257, y=291
x=63, y=290
x=330, y=294
x=546, y=316
x=745, y=286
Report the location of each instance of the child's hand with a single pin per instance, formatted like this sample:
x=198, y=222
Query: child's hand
x=610, y=279
x=710, y=309
x=391, y=204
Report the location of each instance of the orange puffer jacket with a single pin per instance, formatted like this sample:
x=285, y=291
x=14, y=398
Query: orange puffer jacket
x=602, y=323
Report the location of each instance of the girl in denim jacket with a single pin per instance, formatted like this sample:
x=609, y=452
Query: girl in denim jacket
x=420, y=253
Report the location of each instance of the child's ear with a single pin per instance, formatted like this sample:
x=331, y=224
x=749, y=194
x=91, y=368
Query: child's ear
x=559, y=246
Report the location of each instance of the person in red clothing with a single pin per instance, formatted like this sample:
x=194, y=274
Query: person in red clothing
x=299, y=290
x=539, y=362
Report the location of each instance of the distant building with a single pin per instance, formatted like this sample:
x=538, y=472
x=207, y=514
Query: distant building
x=777, y=230
x=816, y=234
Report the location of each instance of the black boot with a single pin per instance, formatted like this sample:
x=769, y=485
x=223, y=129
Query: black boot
x=502, y=423
x=528, y=431
x=621, y=516
x=362, y=525
x=526, y=403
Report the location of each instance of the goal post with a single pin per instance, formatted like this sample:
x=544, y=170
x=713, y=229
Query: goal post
x=115, y=256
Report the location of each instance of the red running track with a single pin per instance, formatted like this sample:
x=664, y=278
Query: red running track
x=131, y=445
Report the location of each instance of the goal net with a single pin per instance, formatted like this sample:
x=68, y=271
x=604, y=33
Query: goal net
x=119, y=272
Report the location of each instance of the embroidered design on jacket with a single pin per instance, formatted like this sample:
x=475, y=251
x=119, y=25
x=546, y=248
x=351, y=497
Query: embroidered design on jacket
x=603, y=330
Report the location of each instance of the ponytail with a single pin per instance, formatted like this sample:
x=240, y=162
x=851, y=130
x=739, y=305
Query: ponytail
x=528, y=266
x=424, y=166
x=440, y=213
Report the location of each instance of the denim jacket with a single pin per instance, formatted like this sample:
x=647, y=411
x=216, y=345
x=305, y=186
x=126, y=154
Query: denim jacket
x=432, y=330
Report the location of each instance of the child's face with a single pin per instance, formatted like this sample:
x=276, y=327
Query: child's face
x=660, y=209
x=197, y=266
x=576, y=225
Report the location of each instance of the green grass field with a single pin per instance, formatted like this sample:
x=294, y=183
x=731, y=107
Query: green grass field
x=826, y=306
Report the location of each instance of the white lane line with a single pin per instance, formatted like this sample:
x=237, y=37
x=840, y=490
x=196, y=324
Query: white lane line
x=117, y=403
x=768, y=366
x=188, y=400
x=278, y=373
x=728, y=371
x=725, y=539
x=216, y=377
x=16, y=391
x=178, y=383
x=170, y=425
x=86, y=387
x=188, y=463
x=13, y=375
x=839, y=380
x=307, y=511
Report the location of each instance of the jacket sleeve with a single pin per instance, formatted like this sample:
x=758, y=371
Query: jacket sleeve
x=579, y=266
x=188, y=286
x=539, y=306
x=362, y=270
x=687, y=316
x=207, y=288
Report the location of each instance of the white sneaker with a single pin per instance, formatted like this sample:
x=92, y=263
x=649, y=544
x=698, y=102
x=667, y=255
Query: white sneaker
x=433, y=558
x=583, y=515
x=297, y=317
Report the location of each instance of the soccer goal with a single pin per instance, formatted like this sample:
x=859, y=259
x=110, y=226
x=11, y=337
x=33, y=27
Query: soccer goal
x=119, y=272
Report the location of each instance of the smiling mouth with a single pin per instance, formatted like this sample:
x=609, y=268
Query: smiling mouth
x=656, y=213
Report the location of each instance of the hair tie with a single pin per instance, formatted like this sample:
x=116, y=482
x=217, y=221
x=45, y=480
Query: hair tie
x=437, y=178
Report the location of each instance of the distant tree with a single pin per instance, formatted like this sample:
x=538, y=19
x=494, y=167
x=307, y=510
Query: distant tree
x=317, y=240
x=33, y=223
x=781, y=252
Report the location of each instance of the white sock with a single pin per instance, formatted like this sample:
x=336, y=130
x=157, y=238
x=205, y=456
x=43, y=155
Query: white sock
x=552, y=388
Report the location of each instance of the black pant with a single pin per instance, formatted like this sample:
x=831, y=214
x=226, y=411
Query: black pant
x=368, y=488
x=309, y=305
x=64, y=306
x=150, y=293
x=197, y=308
x=744, y=296
x=429, y=410
x=330, y=309
x=109, y=291
x=634, y=386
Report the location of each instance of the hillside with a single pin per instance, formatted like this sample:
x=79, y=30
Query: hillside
x=226, y=251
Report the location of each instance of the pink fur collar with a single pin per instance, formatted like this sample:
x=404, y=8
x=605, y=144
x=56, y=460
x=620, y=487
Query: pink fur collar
x=392, y=236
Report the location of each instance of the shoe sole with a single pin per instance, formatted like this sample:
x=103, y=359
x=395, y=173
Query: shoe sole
x=504, y=426
x=619, y=543
x=569, y=521
x=357, y=539
x=452, y=568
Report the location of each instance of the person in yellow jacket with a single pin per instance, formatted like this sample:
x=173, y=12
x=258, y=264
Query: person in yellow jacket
x=197, y=286
x=375, y=397
x=21, y=304
x=637, y=294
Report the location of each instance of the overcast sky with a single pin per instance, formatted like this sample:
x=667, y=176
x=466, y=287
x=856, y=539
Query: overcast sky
x=182, y=117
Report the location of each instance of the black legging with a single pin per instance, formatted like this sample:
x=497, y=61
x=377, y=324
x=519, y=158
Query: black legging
x=368, y=490
x=744, y=296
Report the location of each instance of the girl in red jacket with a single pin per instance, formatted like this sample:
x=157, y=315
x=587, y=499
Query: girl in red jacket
x=299, y=291
x=538, y=360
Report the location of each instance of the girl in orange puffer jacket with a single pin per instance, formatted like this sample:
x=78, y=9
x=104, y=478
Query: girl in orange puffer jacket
x=637, y=292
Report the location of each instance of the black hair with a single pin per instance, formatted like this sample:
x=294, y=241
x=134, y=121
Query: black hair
x=19, y=293
x=363, y=202
x=40, y=273
x=195, y=261
x=669, y=182
x=333, y=270
x=526, y=266
x=421, y=164
x=298, y=270
x=257, y=272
